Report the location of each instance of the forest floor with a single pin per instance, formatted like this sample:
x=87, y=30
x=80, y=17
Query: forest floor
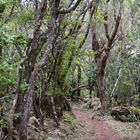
x=105, y=128
x=81, y=125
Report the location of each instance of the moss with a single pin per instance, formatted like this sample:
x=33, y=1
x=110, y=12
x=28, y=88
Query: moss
x=69, y=118
x=68, y=125
x=2, y=8
x=136, y=110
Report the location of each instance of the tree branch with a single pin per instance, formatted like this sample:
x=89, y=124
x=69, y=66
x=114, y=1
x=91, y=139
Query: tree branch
x=79, y=87
x=106, y=26
x=118, y=19
x=70, y=9
x=39, y=17
x=10, y=14
x=116, y=83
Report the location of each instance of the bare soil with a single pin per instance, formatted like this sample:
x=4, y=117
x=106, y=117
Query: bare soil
x=99, y=127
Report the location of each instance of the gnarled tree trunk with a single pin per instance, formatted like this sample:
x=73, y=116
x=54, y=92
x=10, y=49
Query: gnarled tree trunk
x=102, y=50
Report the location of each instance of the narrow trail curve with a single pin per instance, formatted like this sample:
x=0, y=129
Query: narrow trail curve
x=101, y=129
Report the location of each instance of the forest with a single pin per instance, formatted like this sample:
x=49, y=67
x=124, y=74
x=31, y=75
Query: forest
x=69, y=70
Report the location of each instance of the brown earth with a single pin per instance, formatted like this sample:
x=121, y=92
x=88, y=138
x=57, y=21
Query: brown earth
x=101, y=130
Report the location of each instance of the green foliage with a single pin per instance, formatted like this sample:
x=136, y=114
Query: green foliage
x=17, y=116
x=25, y=17
x=136, y=110
x=135, y=34
x=6, y=3
x=8, y=63
x=51, y=138
x=2, y=8
x=7, y=38
x=69, y=118
x=136, y=98
x=3, y=123
x=99, y=17
x=8, y=73
x=125, y=86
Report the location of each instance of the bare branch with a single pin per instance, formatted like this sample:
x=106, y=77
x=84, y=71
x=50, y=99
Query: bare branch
x=10, y=14
x=70, y=9
x=88, y=26
x=116, y=83
x=118, y=19
x=39, y=16
x=36, y=4
x=106, y=26
x=79, y=87
x=19, y=51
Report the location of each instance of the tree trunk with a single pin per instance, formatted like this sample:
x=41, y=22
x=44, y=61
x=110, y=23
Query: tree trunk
x=102, y=93
x=101, y=68
x=90, y=92
x=1, y=47
x=90, y=85
x=38, y=110
x=79, y=80
x=27, y=106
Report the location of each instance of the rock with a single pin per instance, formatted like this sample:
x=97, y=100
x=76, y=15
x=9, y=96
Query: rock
x=93, y=103
x=124, y=114
x=96, y=103
x=34, y=121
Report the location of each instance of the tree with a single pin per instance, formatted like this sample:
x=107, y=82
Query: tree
x=28, y=71
x=102, y=50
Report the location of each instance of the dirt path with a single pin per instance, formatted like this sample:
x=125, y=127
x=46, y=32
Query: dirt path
x=101, y=129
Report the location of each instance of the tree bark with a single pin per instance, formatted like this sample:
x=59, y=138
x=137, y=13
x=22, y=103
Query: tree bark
x=1, y=47
x=101, y=68
x=27, y=107
x=112, y=95
x=79, y=81
x=102, y=94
